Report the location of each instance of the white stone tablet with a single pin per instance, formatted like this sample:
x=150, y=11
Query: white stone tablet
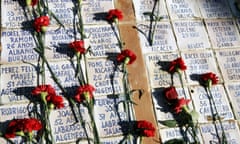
x=191, y=34
x=206, y=108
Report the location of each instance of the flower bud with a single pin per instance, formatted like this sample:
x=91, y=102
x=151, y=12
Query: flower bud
x=51, y=106
x=43, y=29
x=126, y=61
x=28, y=2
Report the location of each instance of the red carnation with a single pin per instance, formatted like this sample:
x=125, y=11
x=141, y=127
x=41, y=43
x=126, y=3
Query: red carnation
x=57, y=101
x=171, y=94
x=84, y=93
x=41, y=23
x=126, y=56
x=176, y=65
x=145, y=128
x=114, y=15
x=44, y=88
x=78, y=46
x=34, y=2
x=209, y=79
x=22, y=126
x=180, y=103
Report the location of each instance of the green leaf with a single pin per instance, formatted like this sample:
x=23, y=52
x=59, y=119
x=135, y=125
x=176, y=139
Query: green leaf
x=169, y=123
x=175, y=141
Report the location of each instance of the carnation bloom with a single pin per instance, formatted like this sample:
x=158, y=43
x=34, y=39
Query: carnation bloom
x=55, y=101
x=114, y=15
x=176, y=65
x=144, y=128
x=43, y=88
x=84, y=93
x=41, y=23
x=180, y=104
x=78, y=46
x=126, y=56
x=48, y=94
x=209, y=79
x=22, y=127
x=171, y=94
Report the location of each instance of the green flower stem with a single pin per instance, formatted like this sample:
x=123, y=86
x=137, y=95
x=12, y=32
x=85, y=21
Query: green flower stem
x=81, y=25
x=153, y=27
x=95, y=131
x=120, y=43
x=79, y=72
x=128, y=101
x=181, y=80
x=83, y=124
x=224, y=140
x=47, y=128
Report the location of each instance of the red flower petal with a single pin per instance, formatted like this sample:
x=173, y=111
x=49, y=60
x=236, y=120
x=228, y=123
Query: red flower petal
x=40, y=22
x=180, y=103
x=79, y=97
x=145, y=128
x=209, y=76
x=126, y=54
x=177, y=64
x=114, y=14
x=170, y=94
x=78, y=46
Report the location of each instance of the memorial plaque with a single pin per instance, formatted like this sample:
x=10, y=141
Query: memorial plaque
x=65, y=128
x=210, y=135
x=57, y=41
x=215, y=9
x=199, y=62
x=191, y=34
x=109, y=112
x=223, y=32
x=12, y=15
x=94, y=11
x=175, y=133
x=102, y=40
x=181, y=9
x=17, y=45
x=63, y=10
x=17, y=81
x=156, y=63
x=144, y=9
x=233, y=90
x=163, y=40
x=10, y=111
x=64, y=71
x=105, y=76
x=205, y=107
x=229, y=62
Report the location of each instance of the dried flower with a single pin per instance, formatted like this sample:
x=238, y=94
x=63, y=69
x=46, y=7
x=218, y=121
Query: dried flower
x=209, y=79
x=177, y=65
x=78, y=46
x=114, y=15
x=126, y=56
x=22, y=127
x=84, y=93
x=145, y=128
x=171, y=94
x=41, y=23
x=180, y=104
